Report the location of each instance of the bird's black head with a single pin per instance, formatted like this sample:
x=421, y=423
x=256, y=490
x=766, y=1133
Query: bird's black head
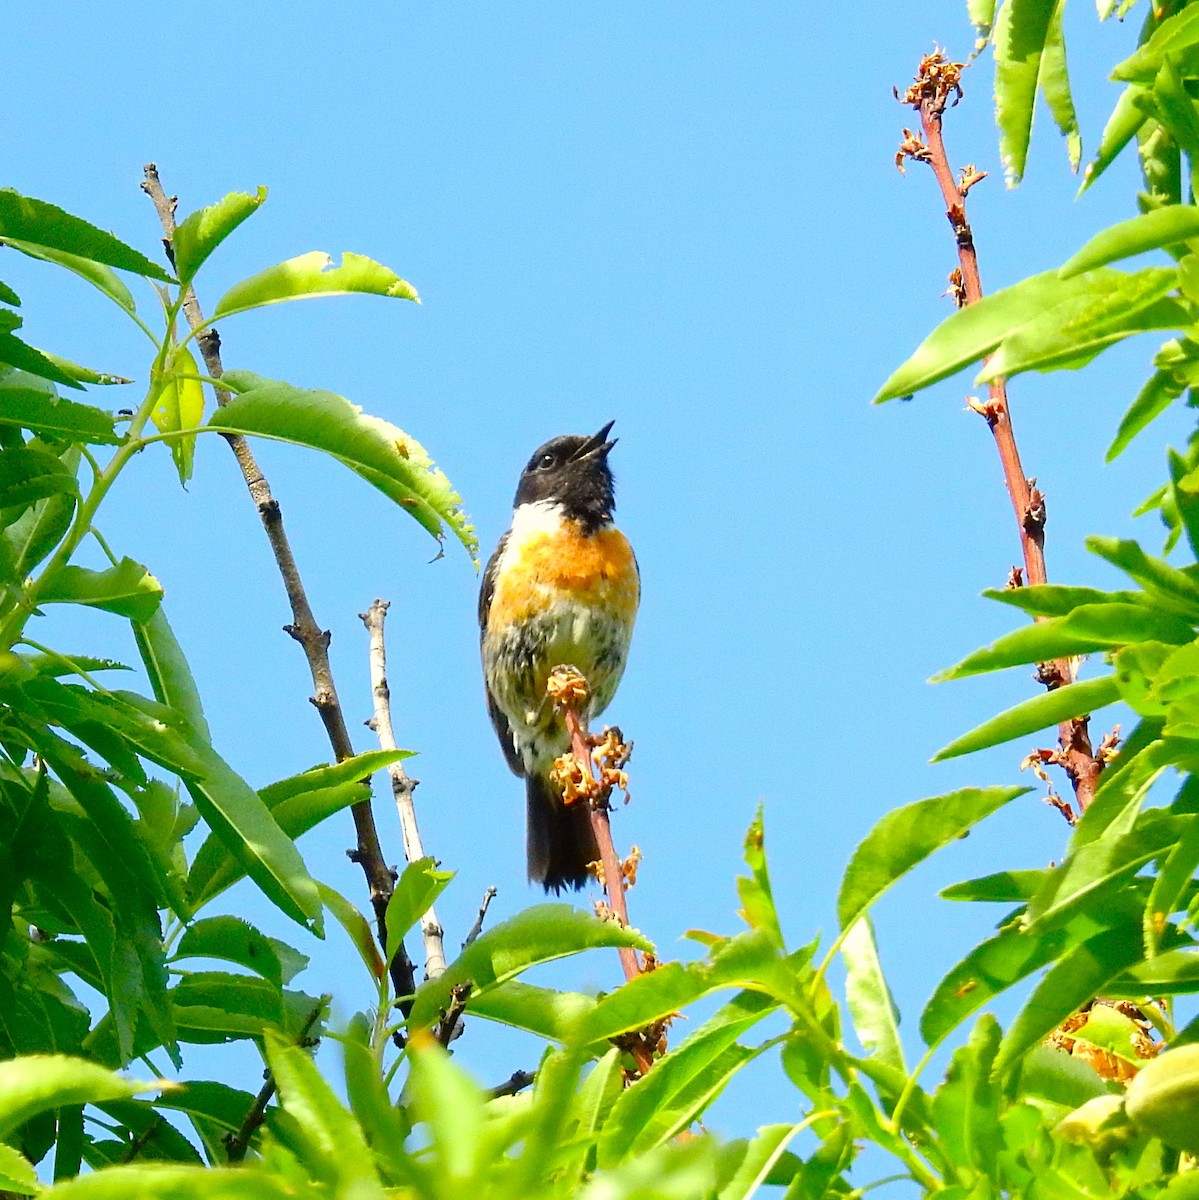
x=573, y=471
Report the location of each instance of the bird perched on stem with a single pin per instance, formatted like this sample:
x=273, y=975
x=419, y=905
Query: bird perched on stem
x=561, y=589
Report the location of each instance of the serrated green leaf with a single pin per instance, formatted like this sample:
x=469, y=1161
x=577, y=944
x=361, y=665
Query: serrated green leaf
x=1054, y=82
x=1058, y=600
x=975, y=331
x=232, y=940
x=214, y=869
x=127, y=589
x=17, y=1175
x=380, y=452
x=101, y=277
x=875, y=1017
x=1066, y=986
x=313, y=274
x=1158, y=392
x=37, y=1083
x=907, y=836
x=539, y=934
x=1088, y=628
x=51, y=416
x=174, y=1181
x=1170, y=586
x=1174, y=35
x=23, y=357
x=754, y=890
x=1061, y=704
x=237, y=815
x=29, y=474
x=1070, y=334
x=25, y=219
x=202, y=231
x=682, y=1084
x=334, y=1149
x=1018, y=41
x=1006, y=887
x=167, y=669
x=418, y=887
x=1122, y=126
x=1155, y=230
x=546, y=1012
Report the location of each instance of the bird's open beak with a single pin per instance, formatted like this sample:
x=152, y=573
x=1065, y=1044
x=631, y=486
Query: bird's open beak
x=597, y=445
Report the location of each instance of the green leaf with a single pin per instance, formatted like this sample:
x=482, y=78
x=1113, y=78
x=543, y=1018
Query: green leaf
x=1088, y=628
x=335, y=1151
x=1126, y=119
x=350, y=918
x=170, y=676
x=381, y=453
x=676, y=1092
x=966, y=1107
x=1018, y=40
x=1171, y=587
x=1157, y=393
x=212, y=1007
x=28, y=474
x=1171, y=885
x=103, y=278
x=1171, y=973
x=875, y=1017
x=16, y=1172
x=1071, y=334
x=1156, y=230
x=548, y=1013
x=17, y=354
x=297, y=805
x=313, y=274
x=975, y=331
x=1054, y=81
x=237, y=815
x=450, y=1103
x=35, y=222
x=761, y=1156
x=1057, y=600
x=181, y=407
x=757, y=898
x=53, y=417
x=235, y=941
x=1066, y=986
x=417, y=889
x=174, y=1181
x=201, y=232
x=39, y=1082
x=127, y=589
x=1007, y=887
x=907, y=836
x=539, y=934
x=1172, y=36
x=382, y=1123
x=1050, y=708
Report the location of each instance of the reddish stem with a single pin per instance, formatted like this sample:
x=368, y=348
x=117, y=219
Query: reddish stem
x=930, y=95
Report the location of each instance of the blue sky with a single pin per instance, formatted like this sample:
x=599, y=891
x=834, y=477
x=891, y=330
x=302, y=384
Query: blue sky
x=684, y=217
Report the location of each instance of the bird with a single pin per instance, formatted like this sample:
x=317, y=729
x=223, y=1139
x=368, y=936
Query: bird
x=561, y=589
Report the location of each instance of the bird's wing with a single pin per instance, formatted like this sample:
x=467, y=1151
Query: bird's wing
x=500, y=722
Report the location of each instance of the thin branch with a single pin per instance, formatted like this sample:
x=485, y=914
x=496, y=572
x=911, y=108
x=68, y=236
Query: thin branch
x=402, y=785
x=303, y=628
x=568, y=691
x=450, y=1025
x=516, y=1082
x=936, y=81
x=236, y=1144
x=477, y=927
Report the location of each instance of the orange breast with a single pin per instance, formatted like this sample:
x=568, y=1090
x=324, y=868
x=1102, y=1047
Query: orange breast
x=597, y=570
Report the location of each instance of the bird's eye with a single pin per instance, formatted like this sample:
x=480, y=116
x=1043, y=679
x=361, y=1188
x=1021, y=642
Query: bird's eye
x=545, y=462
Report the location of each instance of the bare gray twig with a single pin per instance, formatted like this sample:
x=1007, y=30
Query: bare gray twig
x=402, y=785
x=477, y=927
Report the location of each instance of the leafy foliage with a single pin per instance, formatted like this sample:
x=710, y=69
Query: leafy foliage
x=113, y=947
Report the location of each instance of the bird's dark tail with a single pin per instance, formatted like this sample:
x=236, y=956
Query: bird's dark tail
x=561, y=841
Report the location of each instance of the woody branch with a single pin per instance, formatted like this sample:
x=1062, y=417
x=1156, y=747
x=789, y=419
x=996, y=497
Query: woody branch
x=304, y=629
x=936, y=82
